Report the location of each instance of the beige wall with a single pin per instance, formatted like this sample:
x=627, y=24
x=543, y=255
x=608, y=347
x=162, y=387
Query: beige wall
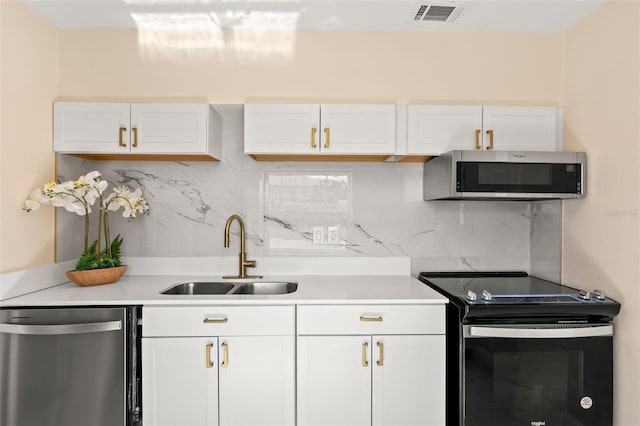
x=29, y=83
x=316, y=66
x=601, y=234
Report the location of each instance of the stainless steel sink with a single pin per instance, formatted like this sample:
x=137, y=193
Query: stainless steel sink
x=200, y=287
x=226, y=287
x=267, y=287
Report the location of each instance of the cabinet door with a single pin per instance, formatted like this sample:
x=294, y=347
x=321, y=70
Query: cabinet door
x=281, y=129
x=334, y=380
x=257, y=380
x=435, y=129
x=179, y=386
x=168, y=128
x=408, y=380
x=520, y=128
x=80, y=127
x=358, y=129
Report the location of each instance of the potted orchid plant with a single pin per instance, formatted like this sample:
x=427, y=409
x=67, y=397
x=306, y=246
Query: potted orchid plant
x=100, y=261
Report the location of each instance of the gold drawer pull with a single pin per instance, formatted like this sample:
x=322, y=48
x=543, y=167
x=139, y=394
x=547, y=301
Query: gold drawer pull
x=365, y=347
x=215, y=320
x=369, y=318
x=225, y=355
x=381, y=349
x=208, y=348
x=135, y=137
x=478, y=145
x=327, y=137
x=313, y=137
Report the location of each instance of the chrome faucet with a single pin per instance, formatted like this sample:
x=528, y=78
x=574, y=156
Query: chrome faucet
x=244, y=263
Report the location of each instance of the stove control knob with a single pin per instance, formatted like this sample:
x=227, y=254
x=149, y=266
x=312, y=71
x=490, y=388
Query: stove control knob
x=598, y=294
x=471, y=295
x=486, y=295
x=584, y=295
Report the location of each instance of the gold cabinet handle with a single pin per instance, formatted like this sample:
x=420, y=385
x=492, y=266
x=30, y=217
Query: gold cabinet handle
x=135, y=137
x=215, y=320
x=369, y=318
x=313, y=137
x=381, y=349
x=365, y=347
x=478, y=145
x=327, y=137
x=490, y=133
x=207, y=358
x=225, y=355
x=121, y=138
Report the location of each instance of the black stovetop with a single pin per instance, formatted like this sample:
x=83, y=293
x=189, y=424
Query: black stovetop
x=508, y=295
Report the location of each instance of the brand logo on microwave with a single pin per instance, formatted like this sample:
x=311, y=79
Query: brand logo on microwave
x=539, y=423
x=519, y=155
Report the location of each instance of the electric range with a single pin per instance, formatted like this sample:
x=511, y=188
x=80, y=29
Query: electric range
x=526, y=351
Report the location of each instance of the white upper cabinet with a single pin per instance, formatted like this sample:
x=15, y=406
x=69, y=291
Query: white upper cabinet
x=435, y=129
x=313, y=129
x=520, y=128
x=138, y=128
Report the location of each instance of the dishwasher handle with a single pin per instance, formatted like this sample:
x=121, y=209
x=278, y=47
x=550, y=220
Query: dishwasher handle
x=57, y=329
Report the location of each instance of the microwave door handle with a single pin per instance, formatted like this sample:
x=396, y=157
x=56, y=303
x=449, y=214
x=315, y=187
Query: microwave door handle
x=538, y=332
x=92, y=327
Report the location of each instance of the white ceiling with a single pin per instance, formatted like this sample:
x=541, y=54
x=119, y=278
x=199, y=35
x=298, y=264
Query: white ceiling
x=350, y=15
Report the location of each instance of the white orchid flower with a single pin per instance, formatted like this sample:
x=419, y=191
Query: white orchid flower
x=35, y=200
x=77, y=196
x=88, y=179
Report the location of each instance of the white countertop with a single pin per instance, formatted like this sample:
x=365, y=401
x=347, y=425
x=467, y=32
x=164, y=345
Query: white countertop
x=312, y=289
x=327, y=289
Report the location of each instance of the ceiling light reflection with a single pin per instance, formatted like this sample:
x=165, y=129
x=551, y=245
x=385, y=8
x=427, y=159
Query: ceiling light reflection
x=255, y=36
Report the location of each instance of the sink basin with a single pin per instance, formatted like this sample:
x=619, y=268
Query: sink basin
x=200, y=287
x=220, y=287
x=267, y=287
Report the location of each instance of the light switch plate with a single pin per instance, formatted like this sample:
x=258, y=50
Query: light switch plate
x=318, y=235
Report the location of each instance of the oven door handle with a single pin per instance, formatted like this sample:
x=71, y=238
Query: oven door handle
x=538, y=332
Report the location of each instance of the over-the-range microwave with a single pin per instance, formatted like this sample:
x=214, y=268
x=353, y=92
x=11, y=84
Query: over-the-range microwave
x=505, y=175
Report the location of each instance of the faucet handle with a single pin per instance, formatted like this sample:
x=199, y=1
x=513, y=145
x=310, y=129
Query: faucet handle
x=249, y=263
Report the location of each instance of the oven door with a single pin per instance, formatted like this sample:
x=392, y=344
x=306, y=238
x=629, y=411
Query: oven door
x=537, y=376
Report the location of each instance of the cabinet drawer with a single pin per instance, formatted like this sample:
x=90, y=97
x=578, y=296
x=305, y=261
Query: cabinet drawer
x=371, y=319
x=218, y=321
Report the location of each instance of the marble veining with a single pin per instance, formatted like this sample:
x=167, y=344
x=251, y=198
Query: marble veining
x=377, y=208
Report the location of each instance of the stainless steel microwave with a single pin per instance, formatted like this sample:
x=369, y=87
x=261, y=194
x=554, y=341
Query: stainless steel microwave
x=505, y=175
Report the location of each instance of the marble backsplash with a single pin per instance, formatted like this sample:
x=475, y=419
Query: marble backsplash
x=377, y=208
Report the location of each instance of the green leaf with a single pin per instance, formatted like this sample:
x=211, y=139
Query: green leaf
x=89, y=259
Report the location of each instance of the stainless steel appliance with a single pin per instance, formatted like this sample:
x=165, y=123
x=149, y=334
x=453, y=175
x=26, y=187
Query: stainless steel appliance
x=505, y=175
x=525, y=351
x=69, y=367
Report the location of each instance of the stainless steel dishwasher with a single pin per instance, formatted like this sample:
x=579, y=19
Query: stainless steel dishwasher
x=69, y=367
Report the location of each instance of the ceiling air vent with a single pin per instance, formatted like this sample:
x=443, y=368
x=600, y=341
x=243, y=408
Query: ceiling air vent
x=437, y=13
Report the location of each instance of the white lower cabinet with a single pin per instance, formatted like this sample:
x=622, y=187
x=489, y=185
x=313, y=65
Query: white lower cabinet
x=357, y=365
x=177, y=386
x=232, y=378
x=371, y=379
x=334, y=387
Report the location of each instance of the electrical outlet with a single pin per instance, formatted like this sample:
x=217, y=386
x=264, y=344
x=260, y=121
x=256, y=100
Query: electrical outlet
x=318, y=235
x=333, y=235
